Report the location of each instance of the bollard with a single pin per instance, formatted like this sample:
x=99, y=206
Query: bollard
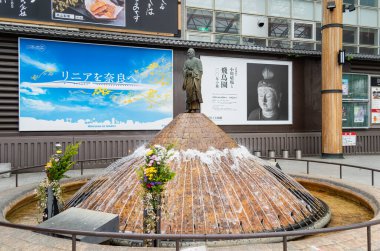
x=298, y=154
x=285, y=154
x=257, y=153
x=271, y=153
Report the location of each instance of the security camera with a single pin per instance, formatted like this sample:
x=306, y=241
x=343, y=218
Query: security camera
x=260, y=23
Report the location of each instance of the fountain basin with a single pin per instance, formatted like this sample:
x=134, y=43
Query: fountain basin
x=348, y=203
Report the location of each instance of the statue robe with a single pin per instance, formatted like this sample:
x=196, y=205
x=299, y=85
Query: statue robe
x=192, y=72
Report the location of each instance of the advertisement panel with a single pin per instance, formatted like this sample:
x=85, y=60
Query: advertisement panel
x=142, y=15
x=375, y=100
x=240, y=91
x=77, y=86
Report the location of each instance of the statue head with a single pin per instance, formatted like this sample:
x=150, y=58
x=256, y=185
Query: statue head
x=191, y=53
x=269, y=93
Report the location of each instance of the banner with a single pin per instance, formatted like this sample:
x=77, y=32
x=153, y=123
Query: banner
x=375, y=100
x=247, y=92
x=77, y=86
x=142, y=15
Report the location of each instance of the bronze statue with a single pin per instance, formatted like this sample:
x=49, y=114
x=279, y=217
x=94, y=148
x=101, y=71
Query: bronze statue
x=192, y=73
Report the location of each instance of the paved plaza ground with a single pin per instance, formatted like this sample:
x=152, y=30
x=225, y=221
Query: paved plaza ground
x=12, y=239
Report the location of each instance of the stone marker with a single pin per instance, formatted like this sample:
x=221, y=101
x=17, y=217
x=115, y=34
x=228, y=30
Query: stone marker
x=5, y=167
x=84, y=220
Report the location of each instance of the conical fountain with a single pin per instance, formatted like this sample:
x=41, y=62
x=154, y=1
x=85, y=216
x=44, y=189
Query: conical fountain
x=219, y=187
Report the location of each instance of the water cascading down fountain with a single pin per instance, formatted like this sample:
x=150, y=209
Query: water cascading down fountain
x=219, y=187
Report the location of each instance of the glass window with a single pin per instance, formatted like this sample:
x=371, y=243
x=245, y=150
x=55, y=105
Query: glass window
x=351, y=1
x=318, y=47
x=368, y=36
x=318, y=32
x=254, y=25
x=349, y=35
x=372, y=3
x=355, y=86
x=318, y=12
x=199, y=37
x=303, y=46
x=355, y=114
x=279, y=43
x=200, y=3
x=302, y=30
x=368, y=17
x=253, y=6
x=369, y=51
x=350, y=49
x=229, y=5
x=350, y=17
x=279, y=8
x=254, y=41
x=278, y=27
x=225, y=39
x=227, y=22
x=200, y=20
x=303, y=9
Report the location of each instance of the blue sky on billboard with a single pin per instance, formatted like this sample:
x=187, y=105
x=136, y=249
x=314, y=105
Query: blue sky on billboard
x=94, y=84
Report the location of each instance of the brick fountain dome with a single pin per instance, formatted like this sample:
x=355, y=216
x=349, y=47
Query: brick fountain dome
x=219, y=187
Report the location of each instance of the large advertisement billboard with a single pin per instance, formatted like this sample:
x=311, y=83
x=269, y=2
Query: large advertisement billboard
x=142, y=15
x=239, y=91
x=77, y=86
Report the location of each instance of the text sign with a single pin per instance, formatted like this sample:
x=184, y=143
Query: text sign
x=349, y=138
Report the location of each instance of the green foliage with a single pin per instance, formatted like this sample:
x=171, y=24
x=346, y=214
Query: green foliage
x=60, y=163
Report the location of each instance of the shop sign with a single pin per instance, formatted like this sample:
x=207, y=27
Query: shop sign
x=349, y=138
x=142, y=15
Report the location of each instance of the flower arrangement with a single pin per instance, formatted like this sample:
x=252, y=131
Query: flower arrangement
x=154, y=175
x=59, y=163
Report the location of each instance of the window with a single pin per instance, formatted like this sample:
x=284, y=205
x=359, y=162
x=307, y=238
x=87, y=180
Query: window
x=200, y=20
x=350, y=49
x=368, y=17
x=279, y=8
x=303, y=46
x=369, y=51
x=227, y=22
x=229, y=5
x=349, y=35
x=254, y=6
x=371, y=3
x=318, y=32
x=254, y=25
x=278, y=27
x=303, y=9
x=368, y=36
x=200, y=3
x=199, y=37
x=254, y=41
x=225, y=39
x=279, y=43
x=355, y=101
x=302, y=30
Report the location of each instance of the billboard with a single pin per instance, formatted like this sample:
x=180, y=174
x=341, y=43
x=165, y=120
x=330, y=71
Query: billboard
x=77, y=86
x=142, y=15
x=239, y=91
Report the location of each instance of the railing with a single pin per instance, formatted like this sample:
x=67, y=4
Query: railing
x=178, y=238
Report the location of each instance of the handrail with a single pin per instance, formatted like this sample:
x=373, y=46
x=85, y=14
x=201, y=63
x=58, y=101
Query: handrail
x=205, y=237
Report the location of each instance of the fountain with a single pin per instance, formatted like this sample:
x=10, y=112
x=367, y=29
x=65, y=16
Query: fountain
x=219, y=187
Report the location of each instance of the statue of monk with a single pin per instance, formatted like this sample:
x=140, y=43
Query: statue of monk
x=192, y=73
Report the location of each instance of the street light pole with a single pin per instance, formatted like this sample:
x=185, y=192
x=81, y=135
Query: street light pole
x=332, y=28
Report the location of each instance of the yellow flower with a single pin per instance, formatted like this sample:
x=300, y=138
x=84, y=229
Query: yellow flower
x=59, y=151
x=48, y=165
x=150, y=152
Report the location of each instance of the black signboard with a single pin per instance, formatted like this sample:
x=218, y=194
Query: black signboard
x=143, y=15
x=375, y=81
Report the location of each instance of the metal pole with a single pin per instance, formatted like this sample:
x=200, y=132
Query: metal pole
x=177, y=245
x=307, y=167
x=373, y=177
x=16, y=178
x=284, y=243
x=340, y=171
x=81, y=168
x=73, y=242
x=369, y=238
